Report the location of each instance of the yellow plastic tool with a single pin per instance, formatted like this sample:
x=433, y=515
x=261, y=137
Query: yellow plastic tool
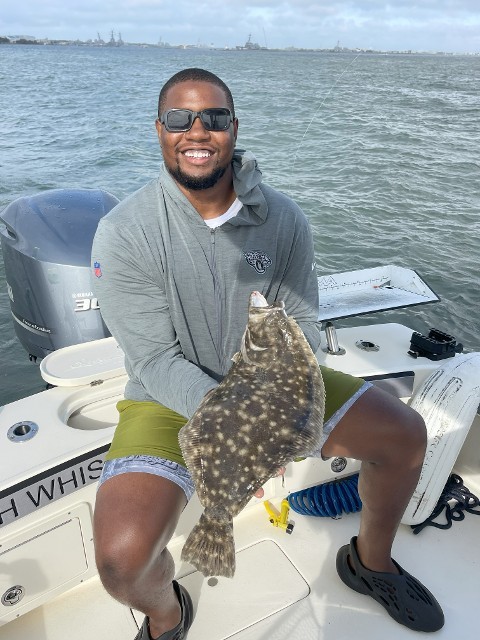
x=279, y=519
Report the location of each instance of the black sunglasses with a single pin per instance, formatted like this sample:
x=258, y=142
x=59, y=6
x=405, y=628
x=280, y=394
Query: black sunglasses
x=176, y=120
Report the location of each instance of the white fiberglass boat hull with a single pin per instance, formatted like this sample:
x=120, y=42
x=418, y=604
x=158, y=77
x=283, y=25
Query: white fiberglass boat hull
x=286, y=585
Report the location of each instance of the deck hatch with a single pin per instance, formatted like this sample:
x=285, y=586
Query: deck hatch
x=251, y=596
x=42, y=561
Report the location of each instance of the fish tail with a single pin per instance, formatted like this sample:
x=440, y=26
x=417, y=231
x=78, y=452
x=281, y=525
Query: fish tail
x=210, y=546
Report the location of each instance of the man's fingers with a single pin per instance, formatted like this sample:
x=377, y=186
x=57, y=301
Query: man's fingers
x=260, y=492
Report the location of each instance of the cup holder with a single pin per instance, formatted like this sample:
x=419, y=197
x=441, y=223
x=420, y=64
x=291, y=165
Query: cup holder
x=22, y=431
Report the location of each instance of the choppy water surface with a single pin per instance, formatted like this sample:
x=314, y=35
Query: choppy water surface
x=380, y=151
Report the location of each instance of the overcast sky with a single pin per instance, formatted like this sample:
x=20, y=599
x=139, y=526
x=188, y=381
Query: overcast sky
x=435, y=25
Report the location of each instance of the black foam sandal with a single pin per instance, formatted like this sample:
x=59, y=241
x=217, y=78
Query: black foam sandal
x=180, y=631
x=405, y=599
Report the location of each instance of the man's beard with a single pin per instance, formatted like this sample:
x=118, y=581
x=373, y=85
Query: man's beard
x=193, y=183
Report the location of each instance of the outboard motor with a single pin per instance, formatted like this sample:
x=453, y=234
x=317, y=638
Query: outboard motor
x=46, y=245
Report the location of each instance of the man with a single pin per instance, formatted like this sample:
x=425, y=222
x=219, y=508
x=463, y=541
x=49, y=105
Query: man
x=175, y=265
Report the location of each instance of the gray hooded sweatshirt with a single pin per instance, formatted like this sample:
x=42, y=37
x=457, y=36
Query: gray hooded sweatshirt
x=174, y=293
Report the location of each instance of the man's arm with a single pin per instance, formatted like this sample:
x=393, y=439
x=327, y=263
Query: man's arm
x=135, y=309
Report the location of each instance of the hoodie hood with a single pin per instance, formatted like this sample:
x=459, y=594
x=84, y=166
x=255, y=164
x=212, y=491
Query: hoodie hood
x=246, y=183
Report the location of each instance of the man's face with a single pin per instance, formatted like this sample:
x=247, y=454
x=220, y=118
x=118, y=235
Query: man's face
x=197, y=159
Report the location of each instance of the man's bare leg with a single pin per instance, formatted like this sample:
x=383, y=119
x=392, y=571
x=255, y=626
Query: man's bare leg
x=390, y=439
x=135, y=517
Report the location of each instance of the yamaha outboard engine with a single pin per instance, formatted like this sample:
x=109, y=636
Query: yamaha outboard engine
x=46, y=245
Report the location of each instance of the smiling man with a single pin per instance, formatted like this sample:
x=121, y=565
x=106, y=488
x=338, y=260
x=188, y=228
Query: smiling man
x=198, y=157
x=178, y=261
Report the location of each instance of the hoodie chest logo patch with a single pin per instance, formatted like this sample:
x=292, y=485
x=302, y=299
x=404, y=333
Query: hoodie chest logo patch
x=259, y=260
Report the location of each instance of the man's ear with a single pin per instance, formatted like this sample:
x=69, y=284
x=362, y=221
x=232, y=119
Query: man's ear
x=158, y=127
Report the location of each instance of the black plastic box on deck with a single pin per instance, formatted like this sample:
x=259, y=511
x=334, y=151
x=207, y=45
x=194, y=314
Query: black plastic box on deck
x=436, y=346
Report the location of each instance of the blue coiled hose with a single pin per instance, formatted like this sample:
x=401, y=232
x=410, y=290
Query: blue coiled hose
x=328, y=500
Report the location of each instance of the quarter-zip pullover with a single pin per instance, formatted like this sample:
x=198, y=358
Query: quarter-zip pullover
x=174, y=293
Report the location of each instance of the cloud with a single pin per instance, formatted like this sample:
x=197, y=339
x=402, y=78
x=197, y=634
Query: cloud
x=401, y=24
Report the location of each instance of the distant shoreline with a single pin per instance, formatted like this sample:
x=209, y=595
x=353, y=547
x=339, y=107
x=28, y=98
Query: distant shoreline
x=190, y=47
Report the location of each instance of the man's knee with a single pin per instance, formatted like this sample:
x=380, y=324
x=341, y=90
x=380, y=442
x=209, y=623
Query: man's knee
x=123, y=556
x=414, y=434
x=129, y=535
x=404, y=439
x=379, y=428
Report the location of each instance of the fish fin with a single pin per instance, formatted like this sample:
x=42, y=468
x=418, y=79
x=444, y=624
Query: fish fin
x=246, y=345
x=210, y=547
x=243, y=349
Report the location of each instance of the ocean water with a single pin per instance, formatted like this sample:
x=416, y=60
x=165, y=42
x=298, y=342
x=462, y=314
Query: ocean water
x=381, y=152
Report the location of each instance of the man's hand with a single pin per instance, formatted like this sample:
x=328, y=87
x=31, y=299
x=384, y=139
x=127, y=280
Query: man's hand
x=260, y=492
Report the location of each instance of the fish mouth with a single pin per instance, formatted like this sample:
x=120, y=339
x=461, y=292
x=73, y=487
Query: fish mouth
x=257, y=300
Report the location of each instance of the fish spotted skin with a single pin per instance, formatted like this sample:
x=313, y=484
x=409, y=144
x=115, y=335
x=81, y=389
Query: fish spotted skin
x=267, y=411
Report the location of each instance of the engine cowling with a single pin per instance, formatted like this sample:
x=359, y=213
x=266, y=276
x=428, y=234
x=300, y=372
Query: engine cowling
x=46, y=245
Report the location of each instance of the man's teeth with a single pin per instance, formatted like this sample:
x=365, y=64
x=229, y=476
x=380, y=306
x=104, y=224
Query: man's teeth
x=198, y=154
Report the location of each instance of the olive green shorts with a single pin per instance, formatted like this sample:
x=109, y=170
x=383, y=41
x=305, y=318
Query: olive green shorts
x=150, y=429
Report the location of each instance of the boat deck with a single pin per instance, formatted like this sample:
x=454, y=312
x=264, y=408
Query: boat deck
x=285, y=586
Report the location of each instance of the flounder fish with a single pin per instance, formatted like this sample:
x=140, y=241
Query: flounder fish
x=267, y=411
